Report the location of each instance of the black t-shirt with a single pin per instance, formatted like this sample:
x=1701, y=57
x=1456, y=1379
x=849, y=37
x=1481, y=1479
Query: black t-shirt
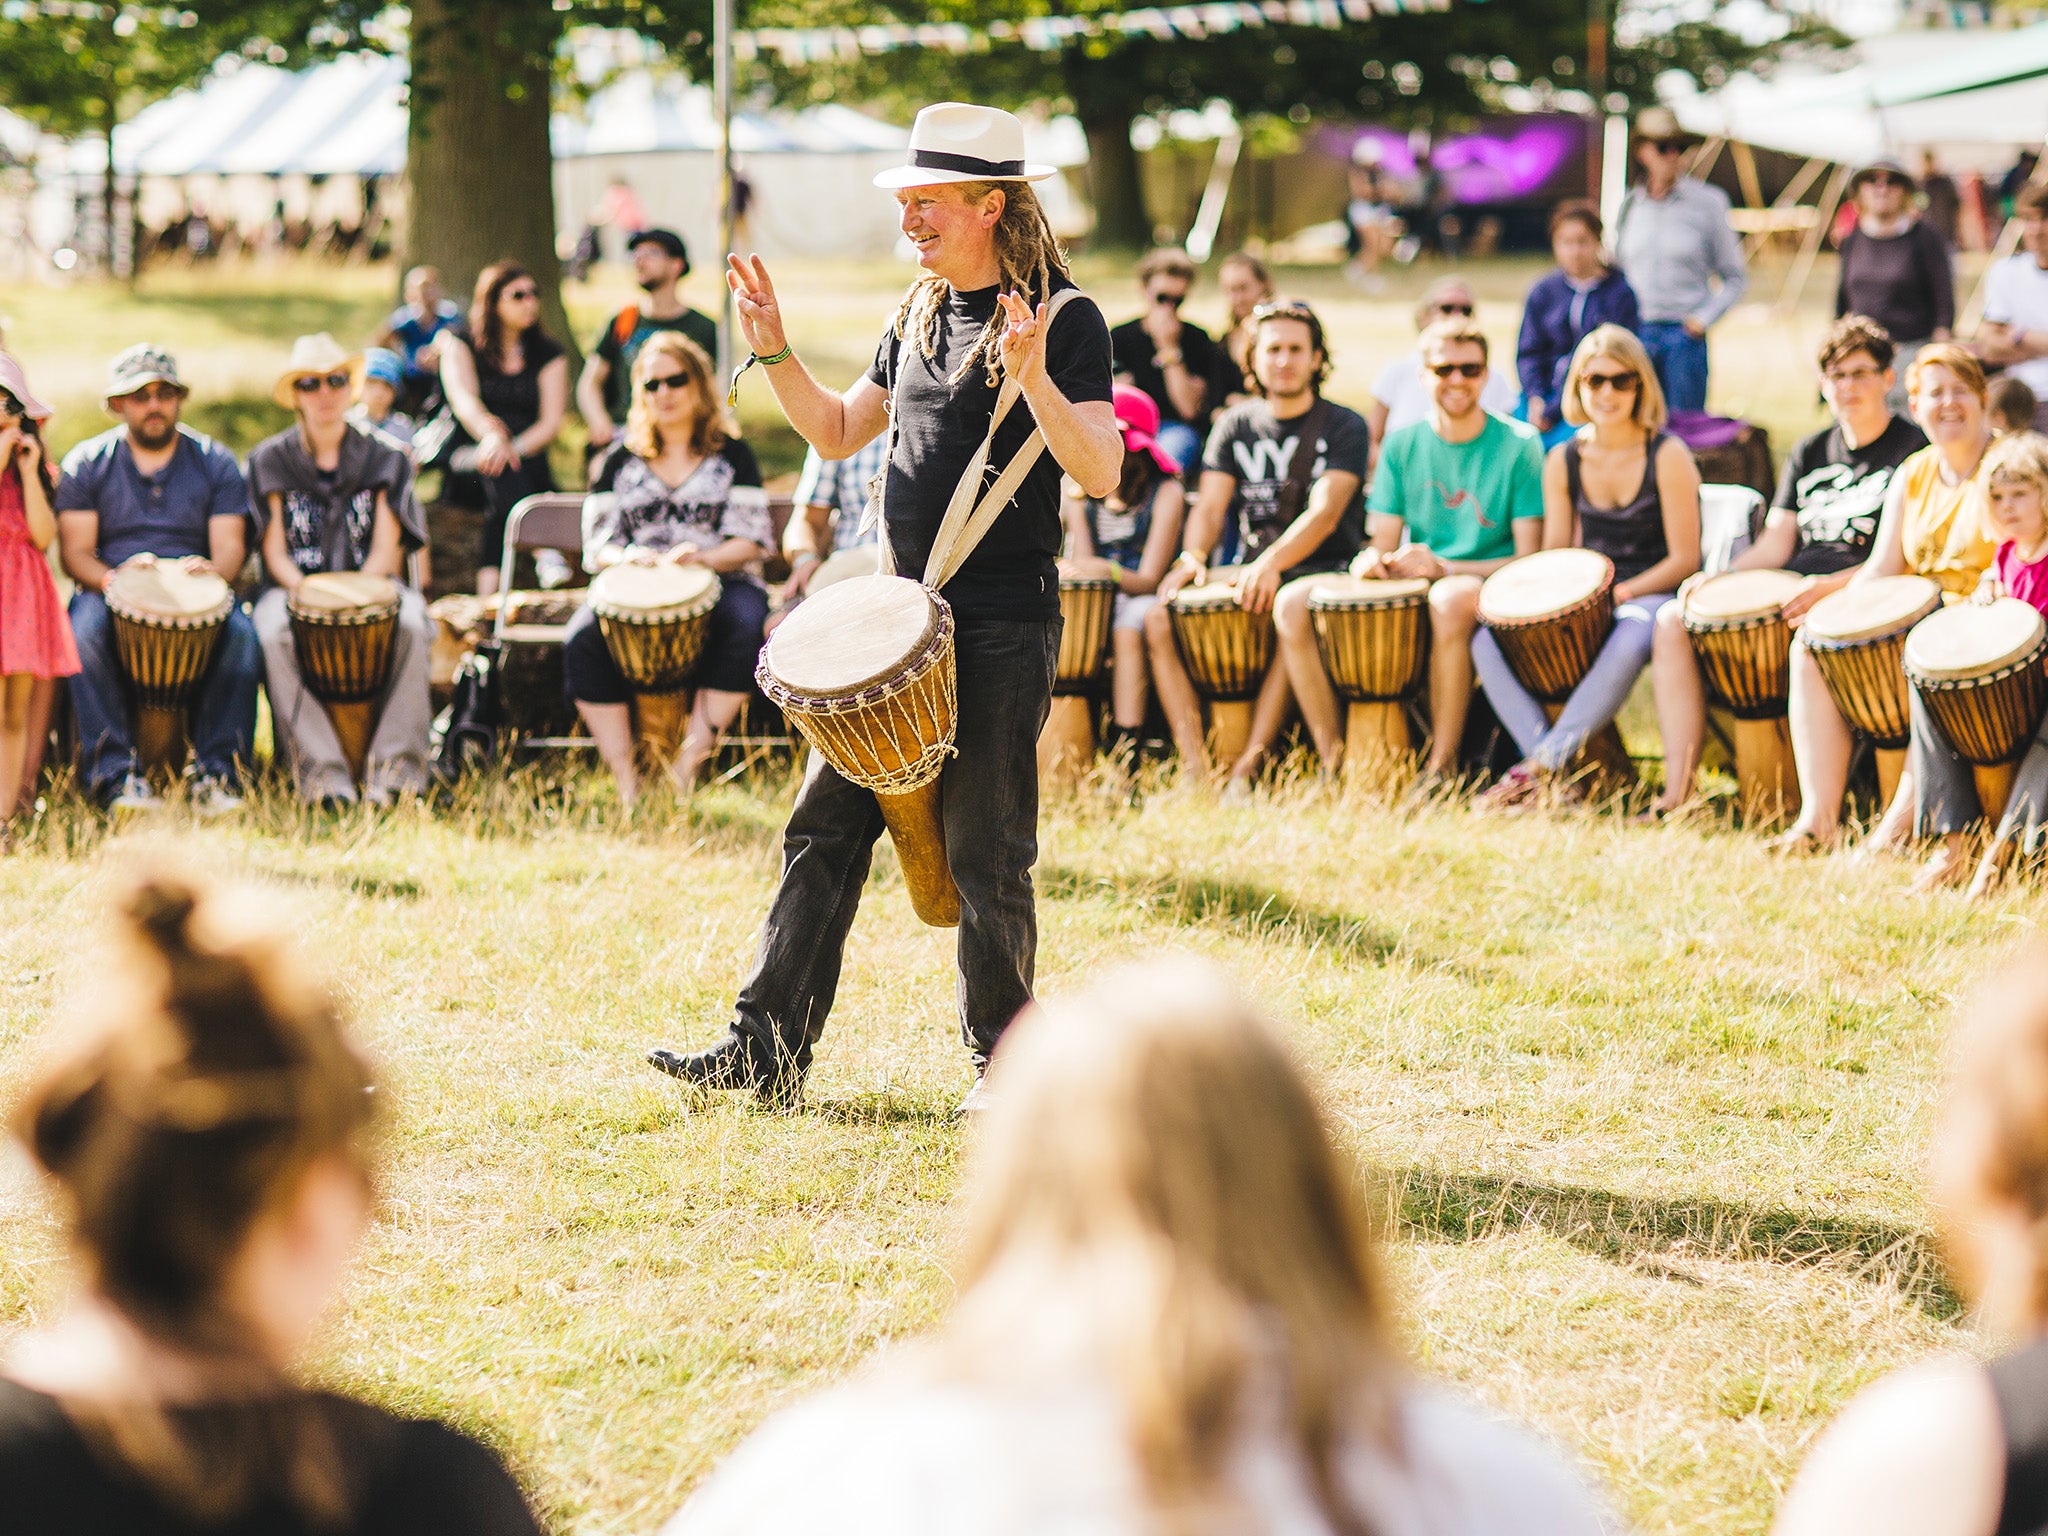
x=1255, y=448
x=1837, y=493
x=619, y=351
x=409, y=1477
x=1132, y=351
x=939, y=425
x=514, y=398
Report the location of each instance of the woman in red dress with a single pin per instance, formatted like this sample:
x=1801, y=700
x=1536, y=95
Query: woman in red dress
x=35, y=638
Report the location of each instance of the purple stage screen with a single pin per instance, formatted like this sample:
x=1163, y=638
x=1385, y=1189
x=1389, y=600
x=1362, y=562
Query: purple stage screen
x=1508, y=160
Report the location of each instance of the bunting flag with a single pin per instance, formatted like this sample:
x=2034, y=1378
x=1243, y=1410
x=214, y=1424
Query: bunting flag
x=811, y=45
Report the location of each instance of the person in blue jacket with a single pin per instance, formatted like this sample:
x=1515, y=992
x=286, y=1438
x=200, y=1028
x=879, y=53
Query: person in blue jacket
x=1583, y=294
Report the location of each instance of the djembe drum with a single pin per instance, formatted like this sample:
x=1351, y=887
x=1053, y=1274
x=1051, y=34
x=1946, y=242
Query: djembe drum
x=1550, y=613
x=1067, y=744
x=1227, y=652
x=1744, y=646
x=1373, y=637
x=865, y=671
x=1978, y=670
x=168, y=621
x=655, y=620
x=344, y=628
x=1857, y=638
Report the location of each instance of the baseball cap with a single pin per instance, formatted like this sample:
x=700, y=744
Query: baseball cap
x=382, y=363
x=667, y=239
x=140, y=365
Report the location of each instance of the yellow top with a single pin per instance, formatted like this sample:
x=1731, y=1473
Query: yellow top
x=1943, y=529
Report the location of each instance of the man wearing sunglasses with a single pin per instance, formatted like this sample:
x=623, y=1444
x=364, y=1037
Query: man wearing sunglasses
x=2014, y=335
x=1679, y=252
x=1464, y=489
x=1174, y=361
x=152, y=489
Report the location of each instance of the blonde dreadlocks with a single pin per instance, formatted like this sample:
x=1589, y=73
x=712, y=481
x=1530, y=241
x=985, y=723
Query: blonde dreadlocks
x=1027, y=256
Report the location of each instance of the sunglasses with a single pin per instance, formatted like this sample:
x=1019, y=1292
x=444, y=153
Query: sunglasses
x=1175, y=299
x=518, y=294
x=155, y=394
x=1668, y=146
x=663, y=381
x=1843, y=376
x=311, y=383
x=1623, y=383
x=1454, y=309
x=1457, y=370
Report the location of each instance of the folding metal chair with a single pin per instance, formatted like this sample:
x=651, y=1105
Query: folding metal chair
x=551, y=520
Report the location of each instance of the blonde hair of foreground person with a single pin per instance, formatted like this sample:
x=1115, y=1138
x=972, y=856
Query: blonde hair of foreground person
x=1170, y=1319
x=1923, y=1451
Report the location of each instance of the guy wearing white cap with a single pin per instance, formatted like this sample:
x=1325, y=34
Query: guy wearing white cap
x=978, y=312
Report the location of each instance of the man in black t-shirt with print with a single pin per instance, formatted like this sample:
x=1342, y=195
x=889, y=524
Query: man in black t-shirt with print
x=977, y=313
x=1821, y=524
x=603, y=393
x=1184, y=370
x=1285, y=545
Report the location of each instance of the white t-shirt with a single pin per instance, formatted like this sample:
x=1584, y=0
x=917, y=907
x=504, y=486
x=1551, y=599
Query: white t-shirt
x=899, y=1459
x=2016, y=293
x=1401, y=390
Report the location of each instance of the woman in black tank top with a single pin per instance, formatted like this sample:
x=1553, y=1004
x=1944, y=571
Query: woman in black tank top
x=1622, y=488
x=1951, y=1447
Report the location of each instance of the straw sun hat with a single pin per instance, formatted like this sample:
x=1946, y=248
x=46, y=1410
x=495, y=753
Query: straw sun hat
x=312, y=357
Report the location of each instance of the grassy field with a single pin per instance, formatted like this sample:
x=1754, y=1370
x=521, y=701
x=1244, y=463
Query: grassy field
x=1645, y=1108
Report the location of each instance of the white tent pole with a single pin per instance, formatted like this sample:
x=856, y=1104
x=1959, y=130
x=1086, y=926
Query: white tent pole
x=722, y=27
x=1209, y=217
x=1809, y=250
x=1613, y=170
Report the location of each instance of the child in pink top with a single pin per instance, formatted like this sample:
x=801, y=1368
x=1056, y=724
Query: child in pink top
x=35, y=637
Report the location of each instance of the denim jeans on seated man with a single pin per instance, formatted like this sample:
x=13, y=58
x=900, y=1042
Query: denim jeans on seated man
x=222, y=716
x=1005, y=672
x=1680, y=359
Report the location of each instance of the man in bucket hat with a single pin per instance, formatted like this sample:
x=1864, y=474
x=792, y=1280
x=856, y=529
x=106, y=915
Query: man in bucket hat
x=154, y=489
x=981, y=311
x=1675, y=245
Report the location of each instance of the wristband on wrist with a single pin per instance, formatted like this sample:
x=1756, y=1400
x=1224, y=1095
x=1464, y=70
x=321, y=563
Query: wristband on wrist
x=732, y=395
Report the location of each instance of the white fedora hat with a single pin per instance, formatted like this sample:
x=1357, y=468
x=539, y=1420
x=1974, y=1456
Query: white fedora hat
x=957, y=142
x=313, y=357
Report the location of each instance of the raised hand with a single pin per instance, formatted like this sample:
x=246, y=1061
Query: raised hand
x=753, y=295
x=1023, y=340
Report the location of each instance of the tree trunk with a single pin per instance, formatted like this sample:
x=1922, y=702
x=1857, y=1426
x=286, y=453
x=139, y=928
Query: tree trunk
x=479, y=168
x=1114, y=186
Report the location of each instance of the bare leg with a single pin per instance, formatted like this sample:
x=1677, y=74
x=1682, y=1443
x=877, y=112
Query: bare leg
x=1947, y=865
x=715, y=710
x=1820, y=747
x=1269, y=715
x=1305, y=675
x=1130, y=679
x=611, y=727
x=1453, y=615
x=1991, y=869
x=16, y=691
x=1681, y=706
x=1176, y=694
x=1894, y=828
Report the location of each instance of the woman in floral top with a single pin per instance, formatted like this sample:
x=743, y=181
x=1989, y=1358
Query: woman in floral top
x=674, y=490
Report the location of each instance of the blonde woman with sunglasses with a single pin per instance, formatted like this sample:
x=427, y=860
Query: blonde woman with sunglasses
x=1623, y=487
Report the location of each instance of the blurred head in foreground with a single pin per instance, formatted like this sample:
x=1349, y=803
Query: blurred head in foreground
x=207, y=1127
x=1160, y=1201
x=1990, y=1159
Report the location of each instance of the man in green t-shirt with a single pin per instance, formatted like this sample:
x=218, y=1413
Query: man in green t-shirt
x=604, y=393
x=1466, y=488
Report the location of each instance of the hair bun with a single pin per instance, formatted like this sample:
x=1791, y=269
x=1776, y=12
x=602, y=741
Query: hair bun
x=161, y=909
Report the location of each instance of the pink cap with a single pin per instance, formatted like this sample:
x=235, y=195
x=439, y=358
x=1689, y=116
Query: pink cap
x=1138, y=414
x=15, y=382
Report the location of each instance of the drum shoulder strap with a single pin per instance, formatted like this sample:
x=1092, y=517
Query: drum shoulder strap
x=972, y=512
x=1302, y=462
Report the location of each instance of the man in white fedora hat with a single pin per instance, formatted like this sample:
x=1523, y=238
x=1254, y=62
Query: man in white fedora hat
x=988, y=306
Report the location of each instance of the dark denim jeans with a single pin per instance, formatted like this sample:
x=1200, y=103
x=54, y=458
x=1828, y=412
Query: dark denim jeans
x=1680, y=359
x=989, y=796
x=223, y=716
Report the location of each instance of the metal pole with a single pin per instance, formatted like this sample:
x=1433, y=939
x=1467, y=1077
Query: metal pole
x=721, y=88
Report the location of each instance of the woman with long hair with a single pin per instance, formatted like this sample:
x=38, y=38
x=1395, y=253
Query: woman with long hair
x=1130, y=538
x=1953, y=1446
x=210, y=1134
x=674, y=490
x=1171, y=1317
x=1247, y=283
x=507, y=382
x=1624, y=487
x=1934, y=524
